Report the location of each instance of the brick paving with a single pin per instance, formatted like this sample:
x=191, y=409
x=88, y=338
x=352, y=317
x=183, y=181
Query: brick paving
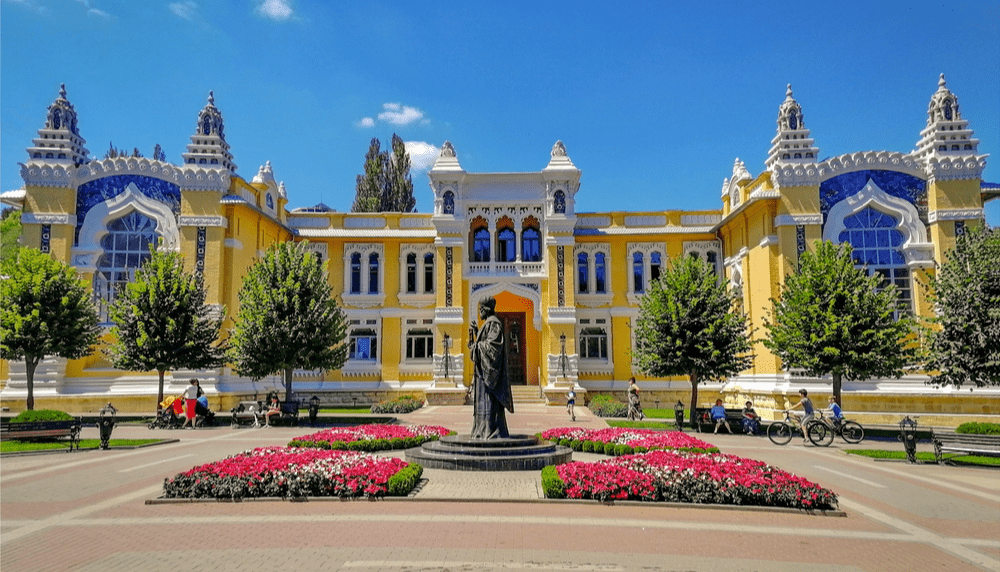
x=87, y=511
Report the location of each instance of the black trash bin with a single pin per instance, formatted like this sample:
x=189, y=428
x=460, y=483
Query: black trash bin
x=679, y=415
x=106, y=423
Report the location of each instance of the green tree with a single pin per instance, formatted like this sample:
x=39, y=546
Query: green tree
x=835, y=319
x=965, y=342
x=288, y=317
x=386, y=185
x=162, y=322
x=46, y=311
x=687, y=326
x=10, y=232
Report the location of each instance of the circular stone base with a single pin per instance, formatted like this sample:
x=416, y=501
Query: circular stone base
x=514, y=453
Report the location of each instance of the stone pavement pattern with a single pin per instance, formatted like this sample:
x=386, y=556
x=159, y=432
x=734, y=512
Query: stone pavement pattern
x=86, y=511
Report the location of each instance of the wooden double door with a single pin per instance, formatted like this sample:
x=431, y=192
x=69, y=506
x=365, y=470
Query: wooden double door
x=513, y=327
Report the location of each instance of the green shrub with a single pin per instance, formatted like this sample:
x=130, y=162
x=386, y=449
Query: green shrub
x=977, y=428
x=608, y=406
x=552, y=485
x=401, y=404
x=403, y=482
x=576, y=445
x=41, y=415
x=609, y=448
x=623, y=450
x=588, y=446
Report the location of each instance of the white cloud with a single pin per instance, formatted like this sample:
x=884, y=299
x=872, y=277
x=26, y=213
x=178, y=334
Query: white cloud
x=278, y=10
x=98, y=13
x=34, y=7
x=187, y=10
x=366, y=122
x=399, y=114
x=422, y=155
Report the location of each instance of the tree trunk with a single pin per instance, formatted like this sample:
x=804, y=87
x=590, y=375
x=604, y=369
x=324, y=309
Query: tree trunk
x=29, y=365
x=288, y=384
x=694, y=397
x=159, y=394
x=836, y=388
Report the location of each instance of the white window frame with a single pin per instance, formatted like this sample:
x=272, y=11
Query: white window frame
x=417, y=321
x=364, y=321
x=591, y=298
x=420, y=299
x=591, y=319
x=364, y=299
x=701, y=248
x=647, y=249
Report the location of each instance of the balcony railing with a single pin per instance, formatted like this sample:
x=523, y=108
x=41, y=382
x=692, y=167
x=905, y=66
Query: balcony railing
x=518, y=268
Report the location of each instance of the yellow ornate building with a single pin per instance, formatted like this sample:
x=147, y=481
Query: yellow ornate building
x=567, y=284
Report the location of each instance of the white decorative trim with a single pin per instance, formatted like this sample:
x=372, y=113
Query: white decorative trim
x=39, y=174
x=943, y=215
x=955, y=168
x=593, y=221
x=234, y=243
x=95, y=225
x=710, y=219
x=48, y=218
x=916, y=249
x=218, y=221
x=762, y=193
x=415, y=222
x=768, y=240
x=702, y=248
x=362, y=234
x=647, y=249
x=319, y=248
x=812, y=174
x=364, y=222
x=364, y=299
x=649, y=220
x=643, y=231
x=516, y=289
x=562, y=315
x=308, y=222
x=797, y=219
x=591, y=298
x=555, y=368
x=449, y=315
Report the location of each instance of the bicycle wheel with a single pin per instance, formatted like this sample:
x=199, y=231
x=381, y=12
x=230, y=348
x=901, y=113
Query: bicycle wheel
x=779, y=433
x=852, y=432
x=819, y=434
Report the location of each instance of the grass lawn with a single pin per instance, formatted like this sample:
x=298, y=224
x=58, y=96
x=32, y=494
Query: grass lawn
x=348, y=410
x=925, y=457
x=641, y=424
x=22, y=446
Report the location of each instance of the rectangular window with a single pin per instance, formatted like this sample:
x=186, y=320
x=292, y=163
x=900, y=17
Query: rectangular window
x=419, y=344
x=428, y=273
x=593, y=343
x=363, y=345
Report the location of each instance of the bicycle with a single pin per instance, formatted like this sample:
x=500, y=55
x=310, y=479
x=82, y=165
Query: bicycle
x=850, y=431
x=781, y=432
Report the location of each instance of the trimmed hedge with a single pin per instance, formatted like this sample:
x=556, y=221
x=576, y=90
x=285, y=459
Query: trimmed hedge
x=607, y=406
x=369, y=446
x=37, y=415
x=552, y=485
x=402, y=404
x=977, y=428
x=405, y=480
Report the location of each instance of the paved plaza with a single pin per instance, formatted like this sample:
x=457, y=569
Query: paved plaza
x=87, y=511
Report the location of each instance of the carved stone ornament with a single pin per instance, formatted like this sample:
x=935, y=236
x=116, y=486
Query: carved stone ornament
x=447, y=150
x=559, y=150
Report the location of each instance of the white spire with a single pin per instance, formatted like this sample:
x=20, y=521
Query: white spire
x=59, y=140
x=208, y=147
x=793, y=142
x=447, y=160
x=946, y=133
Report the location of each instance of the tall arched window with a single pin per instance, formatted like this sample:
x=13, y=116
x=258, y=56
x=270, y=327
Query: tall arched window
x=355, y=273
x=875, y=240
x=654, y=266
x=600, y=274
x=428, y=272
x=449, y=203
x=638, y=278
x=373, y=273
x=506, y=245
x=582, y=272
x=559, y=203
x=126, y=248
x=531, y=245
x=481, y=245
x=411, y=273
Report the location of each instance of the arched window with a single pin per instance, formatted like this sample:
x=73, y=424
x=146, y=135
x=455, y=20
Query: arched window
x=947, y=109
x=411, y=273
x=793, y=121
x=428, y=272
x=57, y=120
x=449, y=203
x=876, y=243
x=355, y=273
x=506, y=245
x=654, y=266
x=206, y=127
x=270, y=201
x=638, y=274
x=373, y=273
x=531, y=245
x=582, y=272
x=559, y=203
x=126, y=248
x=481, y=245
x=600, y=274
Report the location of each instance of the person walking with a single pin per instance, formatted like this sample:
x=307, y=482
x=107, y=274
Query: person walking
x=570, y=403
x=634, y=405
x=191, y=402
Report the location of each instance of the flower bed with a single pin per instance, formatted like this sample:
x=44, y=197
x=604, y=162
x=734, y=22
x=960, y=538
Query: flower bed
x=373, y=437
x=285, y=472
x=676, y=476
x=623, y=441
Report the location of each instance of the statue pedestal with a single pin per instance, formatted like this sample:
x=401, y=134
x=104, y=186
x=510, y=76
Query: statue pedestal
x=515, y=453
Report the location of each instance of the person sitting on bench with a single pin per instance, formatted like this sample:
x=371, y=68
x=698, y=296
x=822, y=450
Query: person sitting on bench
x=719, y=416
x=749, y=418
x=273, y=408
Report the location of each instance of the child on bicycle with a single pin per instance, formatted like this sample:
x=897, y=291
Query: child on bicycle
x=835, y=411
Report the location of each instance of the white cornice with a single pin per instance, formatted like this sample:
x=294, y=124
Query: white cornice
x=954, y=214
x=768, y=240
x=797, y=219
x=625, y=231
x=955, y=168
x=203, y=221
x=365, y=233
x=48, y=218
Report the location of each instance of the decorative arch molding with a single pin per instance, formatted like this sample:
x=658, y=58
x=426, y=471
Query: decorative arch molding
x=95, y=225
x=916, y=249
x=516, y=289
x=811, y=174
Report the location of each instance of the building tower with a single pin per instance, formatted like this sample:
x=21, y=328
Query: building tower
x=208, y=145
x=59, y=140
x=792, y=144
x=946, y=133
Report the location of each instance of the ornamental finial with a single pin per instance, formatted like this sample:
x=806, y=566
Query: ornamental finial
x=62, y=90
x=558, y=150
x=941, y=82
x=211, y=98
x=447, y=150
x=788, y=91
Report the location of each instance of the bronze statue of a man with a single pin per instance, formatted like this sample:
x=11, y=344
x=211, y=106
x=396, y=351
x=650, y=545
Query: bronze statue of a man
x=490, y=387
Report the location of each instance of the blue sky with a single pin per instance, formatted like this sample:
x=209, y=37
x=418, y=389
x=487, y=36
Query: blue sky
x=653, y=100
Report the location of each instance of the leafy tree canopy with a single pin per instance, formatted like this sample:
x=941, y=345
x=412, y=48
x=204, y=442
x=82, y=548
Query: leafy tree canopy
x=965, y=342
x=162, y=322
x=832, y=318
x=386, y=185
x=10, y=232
x=45, y=310
x=288, y=317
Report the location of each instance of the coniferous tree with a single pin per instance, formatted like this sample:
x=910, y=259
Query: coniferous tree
x=162, y=322
x=400, y=190
x=288, y=317
x=45, y=310
x=832, y=318
x=687, y=325
x=965, y=339
x=386, y=185
x=368, y=191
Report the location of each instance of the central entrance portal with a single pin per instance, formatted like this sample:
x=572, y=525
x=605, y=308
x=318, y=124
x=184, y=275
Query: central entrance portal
x=513, y=325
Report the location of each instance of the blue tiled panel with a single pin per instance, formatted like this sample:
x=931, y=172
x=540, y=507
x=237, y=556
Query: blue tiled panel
x=836, y=189
x=100, y=190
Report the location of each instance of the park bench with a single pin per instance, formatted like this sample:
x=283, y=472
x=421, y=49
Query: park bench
x=289, y=413
x=248, y=412
x=43, y=430
x=704, y=423
x=961, y=444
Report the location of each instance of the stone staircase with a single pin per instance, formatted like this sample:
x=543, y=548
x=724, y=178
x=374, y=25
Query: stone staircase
x=527, y=394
